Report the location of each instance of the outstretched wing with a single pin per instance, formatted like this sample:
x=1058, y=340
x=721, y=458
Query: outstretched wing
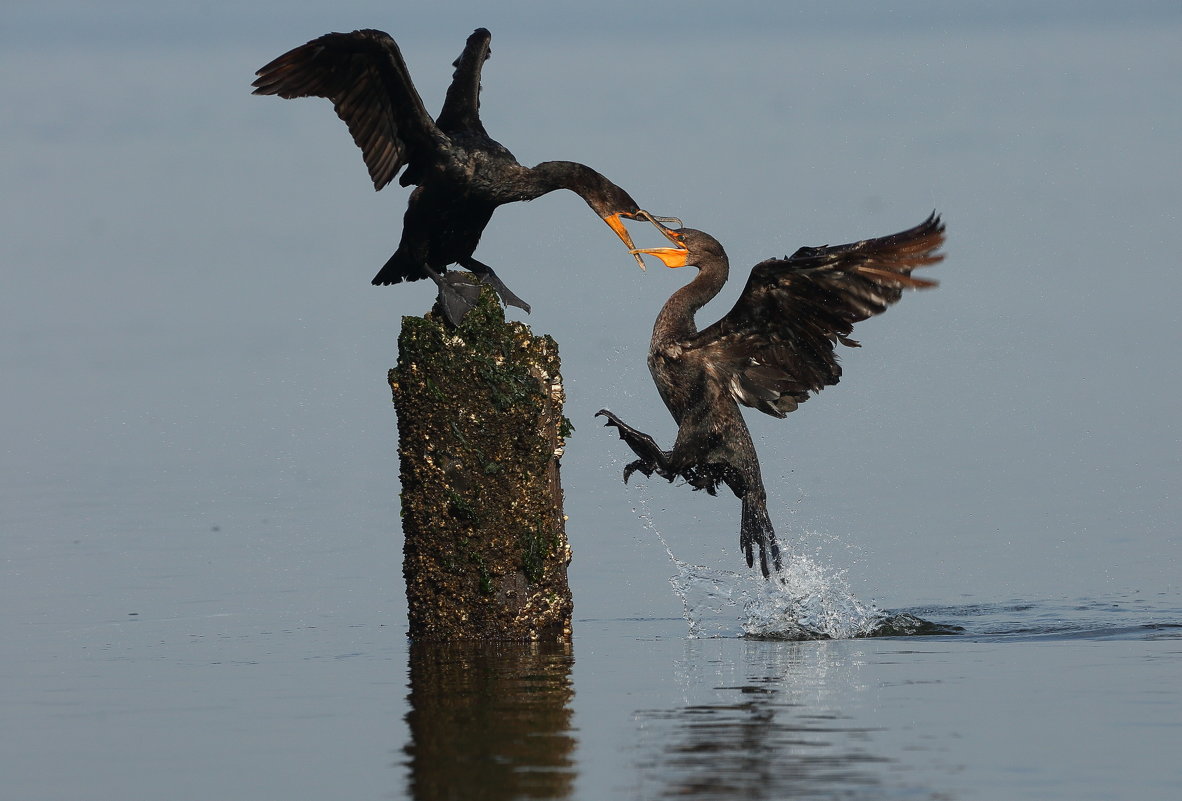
x=777, y=344
x=461, y=106
x=364, y=76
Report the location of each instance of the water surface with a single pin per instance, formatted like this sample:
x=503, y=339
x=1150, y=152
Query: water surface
x=1066, y=698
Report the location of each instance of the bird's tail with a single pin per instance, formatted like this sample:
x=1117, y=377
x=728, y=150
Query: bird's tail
x=757, y=528
x=399, y=268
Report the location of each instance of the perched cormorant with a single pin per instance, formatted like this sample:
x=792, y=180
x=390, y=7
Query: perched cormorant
x=461, y=174
x=769, y=352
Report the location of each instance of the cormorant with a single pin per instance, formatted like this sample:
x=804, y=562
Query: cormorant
x=461, y=174
x=769, y=352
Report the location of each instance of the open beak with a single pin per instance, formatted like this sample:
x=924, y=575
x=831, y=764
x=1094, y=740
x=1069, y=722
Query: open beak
x=614, y=222
x=659, y=222
x=672, y=257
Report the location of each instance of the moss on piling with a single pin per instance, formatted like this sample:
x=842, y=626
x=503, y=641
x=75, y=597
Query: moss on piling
x=481, y=433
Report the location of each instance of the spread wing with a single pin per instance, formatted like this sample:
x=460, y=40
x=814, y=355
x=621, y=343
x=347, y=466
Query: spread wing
x=364, y=76
x=461, y=106
x=777, y=344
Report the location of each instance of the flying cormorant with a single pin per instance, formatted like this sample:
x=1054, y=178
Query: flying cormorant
x=769, y=352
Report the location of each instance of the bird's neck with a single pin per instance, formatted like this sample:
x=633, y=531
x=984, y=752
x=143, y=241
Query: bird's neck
x=565, y=175
x=676, y=320
x=601, y=195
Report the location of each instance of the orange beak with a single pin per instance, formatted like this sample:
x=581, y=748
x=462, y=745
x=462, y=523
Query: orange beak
x=672, y=257
x=614, y=222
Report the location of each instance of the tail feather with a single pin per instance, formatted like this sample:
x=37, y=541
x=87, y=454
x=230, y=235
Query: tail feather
x=397, y=269
x=756, y=527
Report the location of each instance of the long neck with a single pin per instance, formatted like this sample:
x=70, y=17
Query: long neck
x=601, y=195
x=676, y=320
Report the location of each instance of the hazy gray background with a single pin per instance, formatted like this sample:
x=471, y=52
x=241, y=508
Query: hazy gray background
x=194, y=404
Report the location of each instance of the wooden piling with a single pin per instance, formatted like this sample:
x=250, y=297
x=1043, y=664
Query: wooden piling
x=481, y=433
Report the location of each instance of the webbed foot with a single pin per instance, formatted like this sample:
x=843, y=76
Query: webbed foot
x=458, y=293
x=646, y=469
x=486, y=276
x=652, y=458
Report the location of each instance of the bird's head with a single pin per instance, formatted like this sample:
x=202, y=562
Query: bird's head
x=689, y=245
x=615, y=221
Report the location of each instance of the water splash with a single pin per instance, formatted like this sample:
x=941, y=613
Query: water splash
x=802, y=601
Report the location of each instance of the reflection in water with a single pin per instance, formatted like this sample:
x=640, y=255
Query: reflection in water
x=763, y=726
x=490, y=721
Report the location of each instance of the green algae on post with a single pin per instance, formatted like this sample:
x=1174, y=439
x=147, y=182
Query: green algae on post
x=481, y=433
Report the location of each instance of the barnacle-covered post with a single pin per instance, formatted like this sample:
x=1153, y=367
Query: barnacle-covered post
x=481, y=432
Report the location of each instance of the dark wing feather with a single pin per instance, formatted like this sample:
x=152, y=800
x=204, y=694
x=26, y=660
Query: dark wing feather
x=461, y=106
x=363, y=74
x=777, y=344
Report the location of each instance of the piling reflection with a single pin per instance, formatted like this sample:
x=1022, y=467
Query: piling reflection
x=490, y=721
x=763, y=726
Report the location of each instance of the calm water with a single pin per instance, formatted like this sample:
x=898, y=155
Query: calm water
x=1071, y=699
x=200, y=557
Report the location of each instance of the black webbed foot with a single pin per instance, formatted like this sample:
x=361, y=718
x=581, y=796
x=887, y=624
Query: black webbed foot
x=458, y=293
x=652, y=458
x=490, y=279
x=646, y=469
x=756, y=529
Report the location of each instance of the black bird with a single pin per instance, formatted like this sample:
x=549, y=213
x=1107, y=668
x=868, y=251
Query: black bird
x=769, y=352
x=461, y=174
